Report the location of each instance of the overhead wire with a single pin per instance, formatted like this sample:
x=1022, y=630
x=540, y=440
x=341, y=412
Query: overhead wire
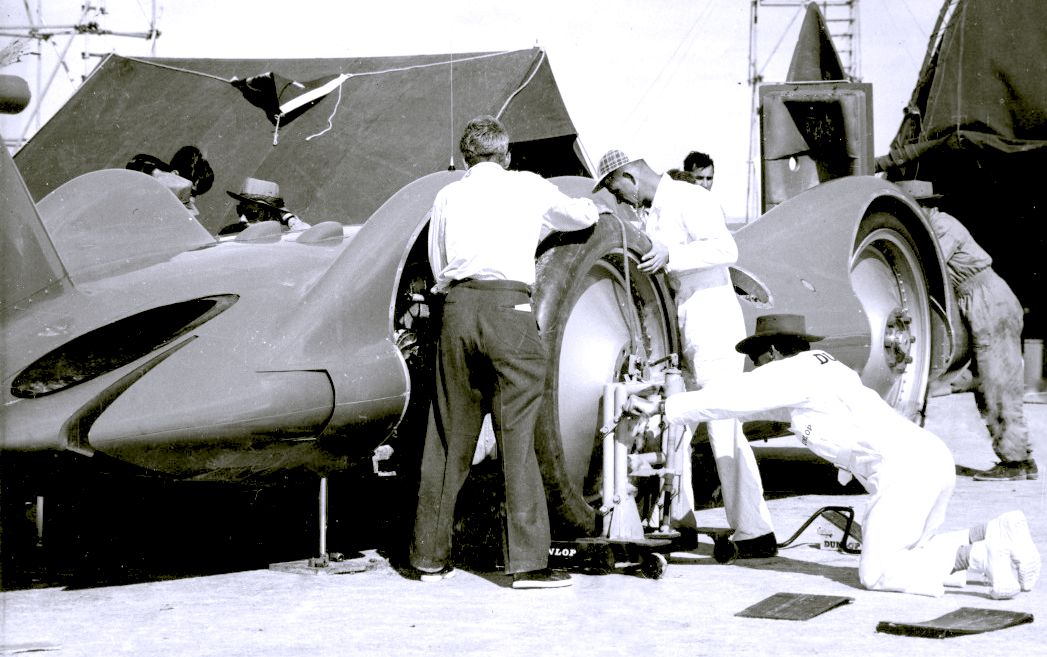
x=348, y=76
x=672, y=63
x=523, y=85
x=395, y=69
x=781, y=38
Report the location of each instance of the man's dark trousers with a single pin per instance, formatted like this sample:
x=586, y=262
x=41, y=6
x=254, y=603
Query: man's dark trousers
x=489, y=348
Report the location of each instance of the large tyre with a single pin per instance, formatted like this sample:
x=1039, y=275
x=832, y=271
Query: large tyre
x=595, y=309
x=889, y=280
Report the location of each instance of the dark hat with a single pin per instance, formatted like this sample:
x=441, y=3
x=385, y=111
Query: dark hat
x=147, y=163
x=189, y=162
x=921, y=190
x=768, y=326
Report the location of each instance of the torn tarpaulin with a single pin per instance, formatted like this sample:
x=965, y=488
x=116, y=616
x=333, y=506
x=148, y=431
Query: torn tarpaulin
x=282, y=99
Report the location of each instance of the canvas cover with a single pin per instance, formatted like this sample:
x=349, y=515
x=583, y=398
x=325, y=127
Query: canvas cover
x=339, y=136
x=976, y=127
x=984, y=86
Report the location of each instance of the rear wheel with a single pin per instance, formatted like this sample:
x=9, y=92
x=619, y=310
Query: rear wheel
x=597, y=313
x=889, y=280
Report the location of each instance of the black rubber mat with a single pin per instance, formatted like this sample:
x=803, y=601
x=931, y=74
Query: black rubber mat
x=963, y=621
x=794, y=606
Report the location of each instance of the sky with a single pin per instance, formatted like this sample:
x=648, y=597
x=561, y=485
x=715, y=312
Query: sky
x=657, y=78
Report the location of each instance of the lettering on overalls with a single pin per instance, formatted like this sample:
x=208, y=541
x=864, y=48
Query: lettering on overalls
x=806, y=434
x=822, y=358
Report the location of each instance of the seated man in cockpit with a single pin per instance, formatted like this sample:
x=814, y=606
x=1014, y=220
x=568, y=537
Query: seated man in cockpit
x=260, y=200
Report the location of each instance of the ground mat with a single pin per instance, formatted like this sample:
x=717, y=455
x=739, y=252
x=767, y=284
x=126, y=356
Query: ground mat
x=963, y=621
x=794, y=606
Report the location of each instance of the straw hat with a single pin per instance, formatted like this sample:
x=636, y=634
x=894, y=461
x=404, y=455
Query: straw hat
x=255, y=190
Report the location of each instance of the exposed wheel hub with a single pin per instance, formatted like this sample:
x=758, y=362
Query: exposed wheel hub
x=898, y=340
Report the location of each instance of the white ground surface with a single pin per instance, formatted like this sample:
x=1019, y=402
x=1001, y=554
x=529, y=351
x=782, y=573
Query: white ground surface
x=690, y=611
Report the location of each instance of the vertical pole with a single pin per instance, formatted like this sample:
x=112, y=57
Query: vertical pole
x=752, y=199
x=323, y=517
x=39, y=520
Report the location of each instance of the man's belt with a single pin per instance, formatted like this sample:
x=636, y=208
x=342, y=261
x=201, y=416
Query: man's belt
x=688, y=282
x=491, y=284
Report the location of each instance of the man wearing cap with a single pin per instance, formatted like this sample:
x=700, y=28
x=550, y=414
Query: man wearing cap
x=691, y=244
x=995, y=318
x=908, y=471
x=260, y=200
x=482, y=237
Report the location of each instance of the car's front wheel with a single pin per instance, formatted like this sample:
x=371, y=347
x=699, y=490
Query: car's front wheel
x=598, y=313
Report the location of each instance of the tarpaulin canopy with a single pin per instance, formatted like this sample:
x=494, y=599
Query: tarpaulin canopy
x=984, y=85
x=339, y=136
x=977, y=128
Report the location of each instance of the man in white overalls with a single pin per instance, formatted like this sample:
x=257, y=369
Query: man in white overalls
x=691, y=244
x=908, y=471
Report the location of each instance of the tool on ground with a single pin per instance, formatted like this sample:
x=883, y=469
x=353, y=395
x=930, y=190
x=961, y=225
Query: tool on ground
x=840, y=516
x=725, y=550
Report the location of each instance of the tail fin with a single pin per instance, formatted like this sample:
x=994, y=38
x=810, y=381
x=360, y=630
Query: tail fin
x=815, y=57
x=29, y=260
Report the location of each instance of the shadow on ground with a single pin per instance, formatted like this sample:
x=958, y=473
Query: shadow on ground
x=104, y=529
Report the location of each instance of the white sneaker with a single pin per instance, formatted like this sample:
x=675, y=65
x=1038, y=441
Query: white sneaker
x=541, y=579
x=992, y=559
x=447, y=572
x=1012, y=529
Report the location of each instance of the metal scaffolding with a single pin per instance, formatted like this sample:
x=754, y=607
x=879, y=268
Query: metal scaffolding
x=27, y=40
x=841, y=16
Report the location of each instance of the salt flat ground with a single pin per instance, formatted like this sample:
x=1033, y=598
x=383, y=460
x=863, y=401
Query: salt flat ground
x=689, y=611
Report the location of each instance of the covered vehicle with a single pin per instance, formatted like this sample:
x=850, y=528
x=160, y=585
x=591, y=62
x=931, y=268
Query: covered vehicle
x=132, y=334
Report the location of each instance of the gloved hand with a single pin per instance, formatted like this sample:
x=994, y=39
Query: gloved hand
x=636, y=405
x=291, y=220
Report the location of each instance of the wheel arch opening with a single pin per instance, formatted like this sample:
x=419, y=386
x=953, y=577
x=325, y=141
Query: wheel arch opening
x=926, y=244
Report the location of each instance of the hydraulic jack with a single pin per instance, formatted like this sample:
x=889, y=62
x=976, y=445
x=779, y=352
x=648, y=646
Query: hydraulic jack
x=642, y=462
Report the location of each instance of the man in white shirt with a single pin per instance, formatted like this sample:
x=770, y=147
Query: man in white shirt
x=908, y=471
x=690, y=242
x=482, y=238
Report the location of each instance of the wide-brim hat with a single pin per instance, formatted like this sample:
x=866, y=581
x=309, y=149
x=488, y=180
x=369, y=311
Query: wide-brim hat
x=921, y=190
x=611, y=161
x=770, y=326
x=256, y=190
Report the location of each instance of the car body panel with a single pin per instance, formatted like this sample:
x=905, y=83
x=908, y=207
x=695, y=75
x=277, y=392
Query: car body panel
x=802, y=249
x=295, y=363
x=299, y=369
